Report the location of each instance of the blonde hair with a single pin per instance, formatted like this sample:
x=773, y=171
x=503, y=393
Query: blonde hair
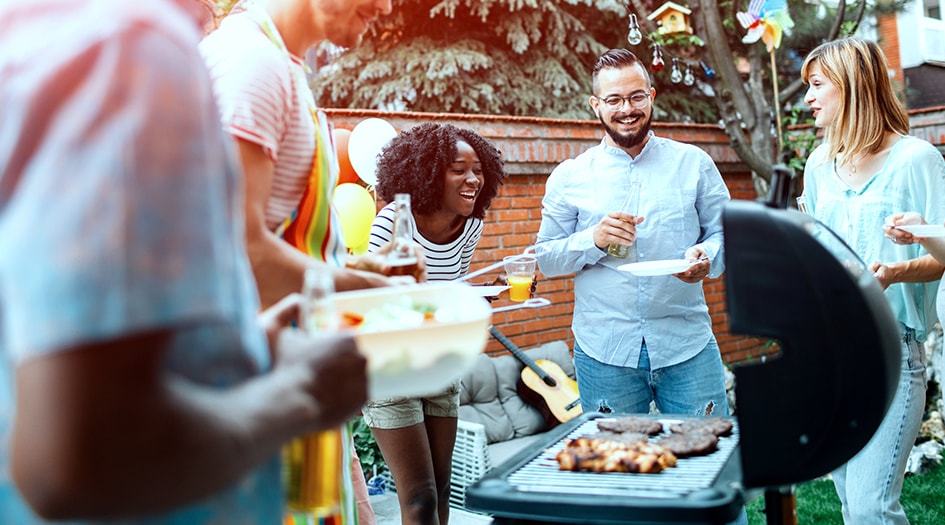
x=868, y=105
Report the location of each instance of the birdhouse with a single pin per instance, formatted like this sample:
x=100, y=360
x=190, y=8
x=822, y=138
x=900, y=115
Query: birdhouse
x=672, y=18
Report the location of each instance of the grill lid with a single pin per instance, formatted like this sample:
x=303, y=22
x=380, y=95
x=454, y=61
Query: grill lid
x=809, y=410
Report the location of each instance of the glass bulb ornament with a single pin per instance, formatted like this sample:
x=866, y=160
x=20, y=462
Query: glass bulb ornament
x=657, y=59
x=634, y=36
x=688, y=78
x=709, y=72
x=676, y=75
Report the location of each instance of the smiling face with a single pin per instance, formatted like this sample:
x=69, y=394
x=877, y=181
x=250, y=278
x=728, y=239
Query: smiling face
x=823, y=96
x=462, y=181
x=626, y=126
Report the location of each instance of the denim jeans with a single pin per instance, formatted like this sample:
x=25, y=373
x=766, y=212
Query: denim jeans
x=693, y=387
x=689, y=388
x=869, y=485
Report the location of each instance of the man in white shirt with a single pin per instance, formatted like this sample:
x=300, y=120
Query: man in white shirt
x=638, y=339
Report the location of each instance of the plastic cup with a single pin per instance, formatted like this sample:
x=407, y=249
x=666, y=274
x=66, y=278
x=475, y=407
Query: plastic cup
x=520, y=272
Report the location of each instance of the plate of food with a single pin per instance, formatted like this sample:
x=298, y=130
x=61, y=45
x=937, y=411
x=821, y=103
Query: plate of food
x=924, y=230
x=418, y=339
x=651, y=268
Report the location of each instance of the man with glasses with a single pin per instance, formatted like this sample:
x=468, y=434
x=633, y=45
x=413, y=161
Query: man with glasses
x=637, y=338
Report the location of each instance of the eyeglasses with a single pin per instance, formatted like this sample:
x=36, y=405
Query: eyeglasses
x=636, y=100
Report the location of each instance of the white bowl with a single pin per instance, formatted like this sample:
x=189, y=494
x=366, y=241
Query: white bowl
x=415, y=361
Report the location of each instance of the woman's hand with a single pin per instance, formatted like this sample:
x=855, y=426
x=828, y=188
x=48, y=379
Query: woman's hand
x=377, y=262
x=898, y=236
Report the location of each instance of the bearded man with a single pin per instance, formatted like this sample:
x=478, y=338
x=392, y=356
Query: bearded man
x=648, y=338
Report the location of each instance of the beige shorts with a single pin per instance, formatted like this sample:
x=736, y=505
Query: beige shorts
x=408, y=411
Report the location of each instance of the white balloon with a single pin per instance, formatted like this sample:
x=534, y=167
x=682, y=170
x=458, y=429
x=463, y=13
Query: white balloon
x=367, y=140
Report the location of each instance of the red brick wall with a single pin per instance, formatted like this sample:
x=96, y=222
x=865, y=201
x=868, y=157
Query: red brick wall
x=532, y=148
x=888, y=39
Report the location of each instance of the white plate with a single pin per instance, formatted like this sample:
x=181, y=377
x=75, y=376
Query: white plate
x=924, y=230
x=412, y=362
x=651, y=268
x=488, y=291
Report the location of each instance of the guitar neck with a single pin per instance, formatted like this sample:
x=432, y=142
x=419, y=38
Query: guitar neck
x=520, y=355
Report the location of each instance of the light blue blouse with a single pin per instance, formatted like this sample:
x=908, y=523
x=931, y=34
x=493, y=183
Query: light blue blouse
x=912, y=179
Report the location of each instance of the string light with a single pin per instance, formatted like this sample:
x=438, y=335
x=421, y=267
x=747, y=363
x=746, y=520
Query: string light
x=658, y=63
x=709, y=72
x=635, y=37
x=676, y=75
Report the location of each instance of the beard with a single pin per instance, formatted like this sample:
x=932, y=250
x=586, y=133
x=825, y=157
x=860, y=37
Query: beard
x=628, y=140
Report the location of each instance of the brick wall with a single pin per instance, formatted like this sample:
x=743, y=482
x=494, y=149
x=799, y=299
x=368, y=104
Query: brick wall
x=888, y=38
x=532, y=147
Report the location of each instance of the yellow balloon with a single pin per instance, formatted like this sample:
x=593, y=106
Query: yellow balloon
x=356, y=210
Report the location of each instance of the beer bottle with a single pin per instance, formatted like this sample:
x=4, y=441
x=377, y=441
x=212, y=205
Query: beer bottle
x=402, y=259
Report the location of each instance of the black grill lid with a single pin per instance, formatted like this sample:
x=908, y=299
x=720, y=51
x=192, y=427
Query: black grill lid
x=809, y=410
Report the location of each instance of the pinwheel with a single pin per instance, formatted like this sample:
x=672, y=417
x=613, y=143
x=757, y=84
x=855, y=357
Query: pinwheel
x=765, y=20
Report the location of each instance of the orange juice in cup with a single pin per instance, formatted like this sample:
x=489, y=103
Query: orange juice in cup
x=520, y=272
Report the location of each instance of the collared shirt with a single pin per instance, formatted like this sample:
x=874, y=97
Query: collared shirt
x=681, y=198
x=121, y=212
x=912, y=179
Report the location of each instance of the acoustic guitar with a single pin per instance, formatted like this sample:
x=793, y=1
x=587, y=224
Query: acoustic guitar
x=544, y=385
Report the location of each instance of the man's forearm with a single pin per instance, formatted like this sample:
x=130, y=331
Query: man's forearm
x=127, y=441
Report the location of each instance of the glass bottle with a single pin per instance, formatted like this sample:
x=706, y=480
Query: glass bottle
x=401, y=258
x=631, y=205
x=315, y=466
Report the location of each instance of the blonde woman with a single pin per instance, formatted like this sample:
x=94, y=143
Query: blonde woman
x=867, y=169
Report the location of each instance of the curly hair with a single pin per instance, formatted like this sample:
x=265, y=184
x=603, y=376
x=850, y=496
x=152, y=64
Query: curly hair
x=416, y=160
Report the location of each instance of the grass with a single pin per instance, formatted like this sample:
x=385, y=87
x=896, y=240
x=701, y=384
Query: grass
x=817, y=501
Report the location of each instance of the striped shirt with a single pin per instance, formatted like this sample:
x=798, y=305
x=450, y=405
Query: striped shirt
x=445, y=262
x=264, y=100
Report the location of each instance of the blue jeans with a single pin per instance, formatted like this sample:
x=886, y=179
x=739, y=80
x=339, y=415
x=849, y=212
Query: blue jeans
x=693, y=387
x=869, y=485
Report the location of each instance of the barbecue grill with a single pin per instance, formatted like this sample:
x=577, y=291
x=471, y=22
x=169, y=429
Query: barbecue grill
x=800, y=415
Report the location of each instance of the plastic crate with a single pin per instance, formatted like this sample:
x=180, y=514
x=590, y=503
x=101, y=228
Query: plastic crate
x=471, y=462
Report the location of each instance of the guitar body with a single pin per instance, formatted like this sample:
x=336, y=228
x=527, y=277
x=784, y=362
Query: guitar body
x=558, y=403
x=544, y=385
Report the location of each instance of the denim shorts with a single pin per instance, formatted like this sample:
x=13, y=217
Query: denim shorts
x=404, y=412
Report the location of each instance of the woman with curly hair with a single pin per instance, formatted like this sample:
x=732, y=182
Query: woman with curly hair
x=452, y=174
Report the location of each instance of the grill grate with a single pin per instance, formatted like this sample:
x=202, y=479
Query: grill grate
x=692, y=474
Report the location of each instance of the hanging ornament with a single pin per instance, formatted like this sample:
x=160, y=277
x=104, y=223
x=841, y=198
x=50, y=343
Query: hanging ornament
x=709, y=72
x=634, y=36
x=676, y=75
x=657, y=58
x=688, y=79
